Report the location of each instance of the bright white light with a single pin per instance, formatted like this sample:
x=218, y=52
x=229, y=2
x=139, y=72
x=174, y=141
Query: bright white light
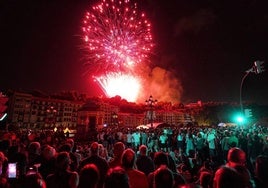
x=3, y=117
x=125, y=85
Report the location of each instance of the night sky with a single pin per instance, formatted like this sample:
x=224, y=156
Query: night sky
x=208, y=45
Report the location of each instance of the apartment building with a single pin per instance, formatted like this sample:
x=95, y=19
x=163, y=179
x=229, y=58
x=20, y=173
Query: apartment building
x=29, y=111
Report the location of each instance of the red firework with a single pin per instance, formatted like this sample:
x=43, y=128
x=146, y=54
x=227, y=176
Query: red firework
x=117, y=37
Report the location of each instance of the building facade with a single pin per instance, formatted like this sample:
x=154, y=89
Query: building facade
x=28, y=111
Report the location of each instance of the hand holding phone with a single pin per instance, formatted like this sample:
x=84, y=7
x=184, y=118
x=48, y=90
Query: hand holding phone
x=12, y=170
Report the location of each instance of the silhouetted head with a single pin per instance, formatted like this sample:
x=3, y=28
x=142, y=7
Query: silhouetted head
x=143, y=150
x=128, y=159
x=116, y=177
x=261, y=168
x=160, y=158
x=89, y=176
x=63, y=160
x=119, y=148
x=236, y=156
x=34, y=148
x=94, y=148
x=34, y=180
x=205, y=179
x=163, y=178
x=227, y=177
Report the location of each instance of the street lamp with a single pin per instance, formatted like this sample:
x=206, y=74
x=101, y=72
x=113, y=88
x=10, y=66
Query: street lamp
x=114, y=119
x=151, y=103
x=51, y=112
x=257, y=68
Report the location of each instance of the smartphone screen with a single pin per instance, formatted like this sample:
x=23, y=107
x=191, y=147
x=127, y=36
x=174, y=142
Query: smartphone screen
x=12, y=170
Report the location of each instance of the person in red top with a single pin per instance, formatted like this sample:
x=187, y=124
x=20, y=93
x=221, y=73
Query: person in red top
x=137, y=179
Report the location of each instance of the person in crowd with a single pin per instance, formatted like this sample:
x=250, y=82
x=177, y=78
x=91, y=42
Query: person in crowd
x=180, y=141
x=63, y=177
x=243, y=142
x=206, y=167
x=245, y=176
x=136, y=140
x=170, y=140
x=103, y=152
x=153, y=142
x=74, y=162
x=163, y=142
x=76, y=156
x=144, y=138
x=144, y=162
x=3, y=165
x=185, y=171
x=119, y=136
x=48, y=159
x=190, y=143
x=171, y=163
x=200, y=145
x=161, y=159
x=261, y=171
x=116, y=177
x=101, y=163
x=211, y=140
x=129, y=139
x=227, y=177
x=233, y=140
x=33, y=180
x=100, y=137
x=237, y=159
x=17, y=154
x=34, y=154
x=225, y=145
x=265, y=145
x=89, y=176
x=137, y=179
x=163, y=178
x=119, y=148
x=205, y=179
x=256, y=148
x=236, y=156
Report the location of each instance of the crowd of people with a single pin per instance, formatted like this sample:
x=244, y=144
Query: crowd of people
x=177, y=157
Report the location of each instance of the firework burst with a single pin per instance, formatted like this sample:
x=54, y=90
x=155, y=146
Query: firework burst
x=127, y=85
x=117, y=37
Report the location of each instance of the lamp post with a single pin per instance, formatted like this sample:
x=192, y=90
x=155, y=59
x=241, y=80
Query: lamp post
x=51, y=112
x=257, y=68
x=114, y=119
x=151, y=103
